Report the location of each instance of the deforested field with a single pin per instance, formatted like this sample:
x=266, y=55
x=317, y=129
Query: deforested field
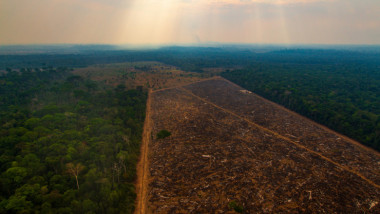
x=232, y=151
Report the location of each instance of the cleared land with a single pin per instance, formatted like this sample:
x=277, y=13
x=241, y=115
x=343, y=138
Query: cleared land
x=152, y=75
x=229, y=146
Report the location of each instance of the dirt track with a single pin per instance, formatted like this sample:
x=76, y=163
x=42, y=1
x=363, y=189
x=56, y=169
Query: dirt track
x=142, y=166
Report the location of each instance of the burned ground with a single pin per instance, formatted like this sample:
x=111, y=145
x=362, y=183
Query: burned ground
x=231, y=145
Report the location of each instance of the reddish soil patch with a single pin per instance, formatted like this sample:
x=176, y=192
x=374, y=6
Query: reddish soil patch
x=229, y=145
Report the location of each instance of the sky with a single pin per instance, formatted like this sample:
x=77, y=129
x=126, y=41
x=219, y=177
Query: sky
x=150, y=22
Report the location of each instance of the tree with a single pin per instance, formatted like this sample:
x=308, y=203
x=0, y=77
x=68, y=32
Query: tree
x=16, y=174
x=74, y=170
x=163, y=134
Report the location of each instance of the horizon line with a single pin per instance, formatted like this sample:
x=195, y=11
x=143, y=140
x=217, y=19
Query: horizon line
x=192, y=44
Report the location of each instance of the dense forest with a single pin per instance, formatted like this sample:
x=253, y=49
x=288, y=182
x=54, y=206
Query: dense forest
x=187, y=58
x=67, y=145
x=342, y=96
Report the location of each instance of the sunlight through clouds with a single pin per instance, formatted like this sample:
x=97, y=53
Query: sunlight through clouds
x=189, y=21
x=151, y=21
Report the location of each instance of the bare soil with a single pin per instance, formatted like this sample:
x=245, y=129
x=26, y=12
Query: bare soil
x=228, y=145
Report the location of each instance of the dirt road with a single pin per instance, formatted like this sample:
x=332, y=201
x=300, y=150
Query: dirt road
x=143, y=165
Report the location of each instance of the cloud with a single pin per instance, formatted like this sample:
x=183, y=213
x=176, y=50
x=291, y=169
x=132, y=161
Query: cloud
x=184, y=21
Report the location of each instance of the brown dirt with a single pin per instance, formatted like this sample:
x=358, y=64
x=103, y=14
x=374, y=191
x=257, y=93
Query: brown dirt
x=185, y=84
x=313, y=136
x=286, y=139
x=232, y=146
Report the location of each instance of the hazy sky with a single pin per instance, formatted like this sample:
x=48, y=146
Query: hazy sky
x=190, y=21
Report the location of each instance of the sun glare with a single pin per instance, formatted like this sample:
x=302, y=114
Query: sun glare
x=181, y=21
x=151, y=21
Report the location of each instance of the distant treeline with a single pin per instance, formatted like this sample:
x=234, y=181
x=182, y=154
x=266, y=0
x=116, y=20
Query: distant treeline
x=188, y=59
x=67, y=145
x=192, y=58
